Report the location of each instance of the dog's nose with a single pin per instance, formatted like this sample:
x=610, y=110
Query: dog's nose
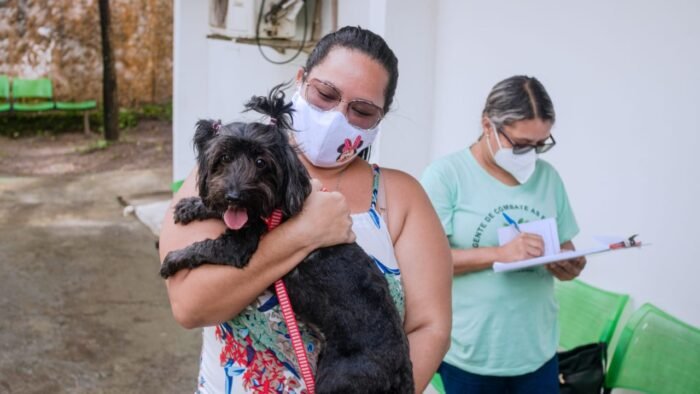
x=232, y=197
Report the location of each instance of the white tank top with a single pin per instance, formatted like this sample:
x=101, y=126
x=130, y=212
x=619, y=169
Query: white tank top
x=252, y=353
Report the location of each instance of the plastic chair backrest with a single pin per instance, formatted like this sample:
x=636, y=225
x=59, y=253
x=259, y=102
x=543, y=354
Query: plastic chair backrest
x=436, y=384
x=32, y=88
x=4, y=88
x=656, y=353
x=176, y=185
x=587, y=314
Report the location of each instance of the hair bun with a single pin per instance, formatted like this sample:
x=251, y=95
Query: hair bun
x=274, y=106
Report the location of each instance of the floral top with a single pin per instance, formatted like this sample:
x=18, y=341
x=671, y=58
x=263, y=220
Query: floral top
x=252, y=352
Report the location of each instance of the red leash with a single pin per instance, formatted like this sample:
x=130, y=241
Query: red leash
x=289, y=318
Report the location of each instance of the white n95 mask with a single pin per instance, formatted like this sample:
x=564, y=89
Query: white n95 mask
x=325, y=137
x=521, y=167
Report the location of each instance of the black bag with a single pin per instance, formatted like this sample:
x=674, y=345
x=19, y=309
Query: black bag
x=582, y=369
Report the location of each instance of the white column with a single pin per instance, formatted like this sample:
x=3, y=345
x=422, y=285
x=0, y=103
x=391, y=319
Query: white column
x=190, y=87
x=408, y=26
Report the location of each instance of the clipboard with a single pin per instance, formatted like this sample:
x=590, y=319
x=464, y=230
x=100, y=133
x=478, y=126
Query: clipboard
x=628, y=243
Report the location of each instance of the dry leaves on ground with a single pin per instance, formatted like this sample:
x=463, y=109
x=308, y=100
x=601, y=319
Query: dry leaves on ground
x=148, y=145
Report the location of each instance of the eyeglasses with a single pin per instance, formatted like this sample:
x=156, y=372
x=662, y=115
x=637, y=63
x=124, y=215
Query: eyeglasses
x=360, y=113
x=540, y=147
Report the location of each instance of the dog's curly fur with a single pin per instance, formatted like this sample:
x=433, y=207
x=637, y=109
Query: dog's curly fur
x=338, y=289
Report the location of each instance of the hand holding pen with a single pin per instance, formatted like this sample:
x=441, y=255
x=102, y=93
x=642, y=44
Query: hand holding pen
x=523, y=246
x=511, y=222
x=562, y=270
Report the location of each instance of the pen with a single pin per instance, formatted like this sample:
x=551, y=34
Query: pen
x=628, y=243
x=511, y=221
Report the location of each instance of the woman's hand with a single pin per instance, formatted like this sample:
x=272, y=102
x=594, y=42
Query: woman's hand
x=524, y=246
x=325, y=219
x=567, y=269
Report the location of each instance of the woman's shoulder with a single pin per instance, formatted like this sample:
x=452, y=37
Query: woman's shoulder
x=451, y=160
x=401, y=188
x=546, y=166
x=547, y=170
x=395, y=178
x=447, y=169
x=404, y=197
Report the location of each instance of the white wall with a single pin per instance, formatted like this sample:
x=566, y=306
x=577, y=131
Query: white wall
x=237, y=72
x=624, y=79
x=408, y=128
x=408, y=26
x=190, y=75
x=622, y=76
x=214, y=78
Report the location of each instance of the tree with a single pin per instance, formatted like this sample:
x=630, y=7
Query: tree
x=109, y=78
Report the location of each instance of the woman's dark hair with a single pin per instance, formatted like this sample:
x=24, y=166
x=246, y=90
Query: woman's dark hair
x=365, y=41
x=274, y=106
x=518, y=98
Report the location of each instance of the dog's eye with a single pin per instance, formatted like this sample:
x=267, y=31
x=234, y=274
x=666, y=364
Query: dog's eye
x=260, y=163
x=226, y=159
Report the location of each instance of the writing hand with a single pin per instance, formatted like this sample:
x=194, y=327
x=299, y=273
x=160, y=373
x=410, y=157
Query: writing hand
x=524, y=246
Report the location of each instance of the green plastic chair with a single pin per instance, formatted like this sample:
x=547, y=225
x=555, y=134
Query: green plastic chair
x=587, y=314
x=436, y=383
x=175, y=186
x=5, y=104
x=656, y=353
x=77, y=105
x=84, y=106
x=32, y=95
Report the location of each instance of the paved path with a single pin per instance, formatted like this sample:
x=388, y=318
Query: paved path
x=82, y=308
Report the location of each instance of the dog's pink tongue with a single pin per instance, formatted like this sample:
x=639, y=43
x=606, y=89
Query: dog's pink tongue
x=235, y=218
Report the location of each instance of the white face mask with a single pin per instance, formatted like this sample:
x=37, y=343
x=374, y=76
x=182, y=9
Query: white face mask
x=520, y=166
x=326, y=138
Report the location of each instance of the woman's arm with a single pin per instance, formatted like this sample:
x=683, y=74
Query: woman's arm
x=211, y=294
x=524, y=246
x=426, y=273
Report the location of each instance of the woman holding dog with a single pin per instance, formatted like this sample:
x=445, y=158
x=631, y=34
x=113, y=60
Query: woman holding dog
x=343, y=93
x=505, y=331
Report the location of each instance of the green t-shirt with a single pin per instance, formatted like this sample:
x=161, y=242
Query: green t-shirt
x=504, y=324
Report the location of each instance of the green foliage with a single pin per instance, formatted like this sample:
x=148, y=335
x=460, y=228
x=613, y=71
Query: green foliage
x=93, y=146
x=156, y=111
x=127, y=118
x=41, y=124
x=28, y=124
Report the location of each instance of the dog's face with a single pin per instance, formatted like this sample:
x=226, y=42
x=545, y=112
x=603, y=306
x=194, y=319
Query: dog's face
x=246, y=170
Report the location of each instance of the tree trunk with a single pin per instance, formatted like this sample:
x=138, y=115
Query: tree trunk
x=109, y=78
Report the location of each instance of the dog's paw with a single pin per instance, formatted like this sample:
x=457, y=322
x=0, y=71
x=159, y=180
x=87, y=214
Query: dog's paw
x=171, y=264
x=164, y=271
x=188, y=210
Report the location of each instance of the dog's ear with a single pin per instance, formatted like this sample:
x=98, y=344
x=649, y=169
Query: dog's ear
x=202, y=177
x=206, y=130
x=297, y=185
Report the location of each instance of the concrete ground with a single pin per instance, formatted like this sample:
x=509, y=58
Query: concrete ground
x=82, y=308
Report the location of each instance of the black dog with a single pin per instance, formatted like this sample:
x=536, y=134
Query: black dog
x=247, y=170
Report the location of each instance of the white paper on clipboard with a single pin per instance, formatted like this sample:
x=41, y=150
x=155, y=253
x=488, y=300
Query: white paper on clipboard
x=565, y=255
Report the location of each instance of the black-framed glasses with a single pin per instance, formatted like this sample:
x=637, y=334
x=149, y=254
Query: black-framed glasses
x=540, y=147
x=323, y=96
